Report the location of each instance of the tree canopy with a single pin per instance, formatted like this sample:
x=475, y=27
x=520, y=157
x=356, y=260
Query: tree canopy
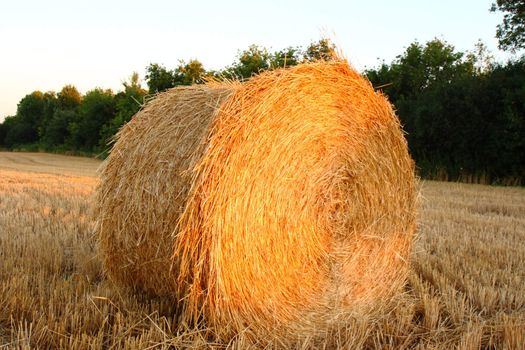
x=159, y=78
x=458, y=110
x=511, y=33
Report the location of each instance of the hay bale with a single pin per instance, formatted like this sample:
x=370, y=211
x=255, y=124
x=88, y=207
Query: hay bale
x=274, y=206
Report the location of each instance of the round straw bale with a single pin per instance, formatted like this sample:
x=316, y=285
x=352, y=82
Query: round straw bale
x=273, y=206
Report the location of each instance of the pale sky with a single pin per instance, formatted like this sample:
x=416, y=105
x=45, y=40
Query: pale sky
x=45, y=45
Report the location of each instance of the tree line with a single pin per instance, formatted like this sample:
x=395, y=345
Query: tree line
x=464, y=113
x=84, y=124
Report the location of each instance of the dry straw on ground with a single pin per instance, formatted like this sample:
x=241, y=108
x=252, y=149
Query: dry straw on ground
x=271, y=208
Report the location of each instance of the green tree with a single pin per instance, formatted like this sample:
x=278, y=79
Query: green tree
x=56, y=130
x=463, y=113
x=481, y=58
x=60, y=110
x=68, y=98
x=417, y=83
x=159, y=78
x=30, y=112
x=251, y=61
x=128, y=102
x=256, y=59
x=23, y=128
x=8, y=137
x=50, y=105
x=507, y=86
x=323, y=49
x=190, y=73
x=4, y=129
x=288, y=57
x=418, y=68
x=31, y=118
x=18, y=132
x=511, y=33
x=97, y=109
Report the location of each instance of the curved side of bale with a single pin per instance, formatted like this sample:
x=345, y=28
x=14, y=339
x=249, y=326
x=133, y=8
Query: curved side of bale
x=145, y=183
x=274, y=207
x=303, y=206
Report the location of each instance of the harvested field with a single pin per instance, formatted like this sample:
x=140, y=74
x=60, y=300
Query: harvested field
x=48, y=163
x=466, y=287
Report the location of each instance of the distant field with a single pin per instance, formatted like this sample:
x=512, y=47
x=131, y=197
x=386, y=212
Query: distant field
x=49, y=163
x=466, y=289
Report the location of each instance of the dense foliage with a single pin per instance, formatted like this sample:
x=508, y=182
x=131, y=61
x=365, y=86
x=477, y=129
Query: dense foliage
x=511, y=33
x=464, y=114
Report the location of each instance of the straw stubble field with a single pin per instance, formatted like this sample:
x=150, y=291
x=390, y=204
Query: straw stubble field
x=466, y=288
